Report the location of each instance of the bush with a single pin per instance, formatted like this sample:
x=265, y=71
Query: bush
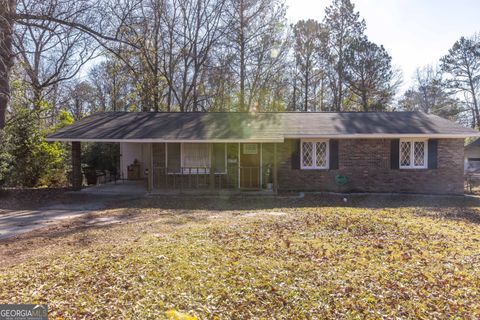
x=26, y=159
x=102, y=156
x=5, y=157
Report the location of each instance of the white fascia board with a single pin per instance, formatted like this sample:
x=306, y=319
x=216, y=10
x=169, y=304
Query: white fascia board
x=264, y=140
x=381, y=136
x=280, y=140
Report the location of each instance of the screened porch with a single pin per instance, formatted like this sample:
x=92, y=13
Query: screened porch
x=178, y=166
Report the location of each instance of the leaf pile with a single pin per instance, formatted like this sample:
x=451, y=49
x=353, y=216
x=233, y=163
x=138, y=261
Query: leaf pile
x=313, y=262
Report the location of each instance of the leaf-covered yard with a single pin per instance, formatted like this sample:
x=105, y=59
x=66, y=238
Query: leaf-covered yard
x=241, y=259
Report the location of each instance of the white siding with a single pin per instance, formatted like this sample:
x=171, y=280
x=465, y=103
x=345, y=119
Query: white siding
x=128, y=153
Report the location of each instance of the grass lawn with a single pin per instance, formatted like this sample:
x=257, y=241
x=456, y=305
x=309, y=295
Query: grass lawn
x=374, y=257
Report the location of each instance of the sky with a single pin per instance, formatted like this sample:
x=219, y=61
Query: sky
x=416, y=33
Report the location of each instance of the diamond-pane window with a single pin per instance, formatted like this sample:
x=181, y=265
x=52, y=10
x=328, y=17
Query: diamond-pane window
x=307, y=154
x=321, y=154
x=405, y=153
x=413, y=154
x=314, y=154
x=419, y=154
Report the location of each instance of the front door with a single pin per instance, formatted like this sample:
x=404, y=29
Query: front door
x=250, y=165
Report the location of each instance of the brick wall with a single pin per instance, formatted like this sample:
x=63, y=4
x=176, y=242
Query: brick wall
x=366, y=164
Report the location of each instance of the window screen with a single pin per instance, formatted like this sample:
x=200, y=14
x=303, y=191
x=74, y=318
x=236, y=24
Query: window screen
x=195, y=155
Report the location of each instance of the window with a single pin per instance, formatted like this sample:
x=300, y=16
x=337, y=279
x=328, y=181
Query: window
x=314, y=154
x=250, y=148
x=195, y=158
x=413, y=154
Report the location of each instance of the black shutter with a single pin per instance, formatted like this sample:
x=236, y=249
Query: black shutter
x=295, y=147
x=432, y=153
x=333, y=154
x=394, y=153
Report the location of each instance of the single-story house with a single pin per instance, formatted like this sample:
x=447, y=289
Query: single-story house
x=409, y=152
x=472, y=156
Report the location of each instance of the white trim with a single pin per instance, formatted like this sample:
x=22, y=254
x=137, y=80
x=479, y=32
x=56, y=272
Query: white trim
x=261, y=166
x=238, y=165
x=380, y=136
x=226, y=159
x=166, y=156
x=314, y=154
x=266, y=140
x=282, y=139
x=412, y=154
x=150, y=170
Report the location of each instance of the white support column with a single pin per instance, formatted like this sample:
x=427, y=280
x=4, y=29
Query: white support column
x=150, y=170
x=211, y=171
x=261, y=166
x=275, y=168
x=239, y=165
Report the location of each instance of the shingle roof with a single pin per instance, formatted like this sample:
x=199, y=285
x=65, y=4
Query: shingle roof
x=224, y=126
x=474, y=144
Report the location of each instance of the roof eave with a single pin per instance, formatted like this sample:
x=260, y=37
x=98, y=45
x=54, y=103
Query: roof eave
x=278, y=140
x=262, y=140
x=384, y=135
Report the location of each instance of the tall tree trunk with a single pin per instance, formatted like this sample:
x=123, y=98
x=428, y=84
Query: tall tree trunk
x=242, y=58
x=338, y=105
x=322, y=93
x=475, y=102
x=364, y=101
x=170, y=71
x=307, y=83
x=294, y=102
x=7, y=11
x=474, y=122
x=114, y=93
x=37, y=98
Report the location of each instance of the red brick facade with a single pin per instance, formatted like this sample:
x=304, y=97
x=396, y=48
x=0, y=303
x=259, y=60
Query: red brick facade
x=366, y=164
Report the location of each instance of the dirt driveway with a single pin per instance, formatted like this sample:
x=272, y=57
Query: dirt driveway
x=29, y=209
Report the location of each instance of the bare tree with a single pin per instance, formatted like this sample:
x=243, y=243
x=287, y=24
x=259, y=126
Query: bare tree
x=50, y=53
x=430, y=94
x=255, y=43
x=7, y=13
x=83, y=15
x=310, y=38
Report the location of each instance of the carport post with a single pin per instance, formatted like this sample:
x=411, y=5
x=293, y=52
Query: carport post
x=275, y=169
x=150, y=169
x=76, y=166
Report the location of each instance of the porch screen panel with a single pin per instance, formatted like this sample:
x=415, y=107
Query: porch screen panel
x=173, y=157
x=195, y=155
x=219, y=157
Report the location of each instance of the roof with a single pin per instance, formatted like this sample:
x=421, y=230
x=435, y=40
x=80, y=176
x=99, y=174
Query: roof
x=259, y=127
x=474, y=144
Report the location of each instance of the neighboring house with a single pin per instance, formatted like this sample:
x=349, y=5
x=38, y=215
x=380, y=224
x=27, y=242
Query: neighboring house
x=340, y=152
x=472, y=156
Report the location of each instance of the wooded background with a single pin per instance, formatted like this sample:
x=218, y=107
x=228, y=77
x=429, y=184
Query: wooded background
x=61, y=60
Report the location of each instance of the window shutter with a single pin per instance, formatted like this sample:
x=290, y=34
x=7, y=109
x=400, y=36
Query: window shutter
x=333, y=165
x=394, y=153
x=295, y=147
x=432, y=153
